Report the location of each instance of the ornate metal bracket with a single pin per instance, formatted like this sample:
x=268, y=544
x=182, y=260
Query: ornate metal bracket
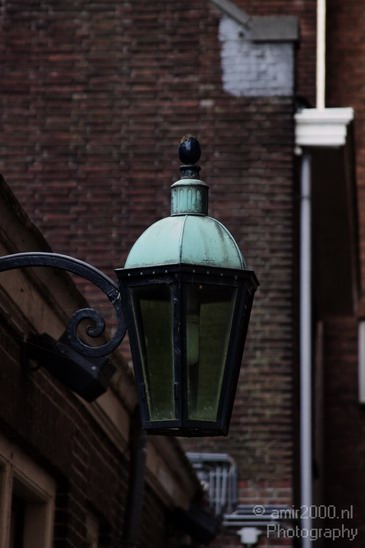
x=90, y=273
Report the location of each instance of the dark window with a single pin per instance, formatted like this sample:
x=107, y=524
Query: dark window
x=17, y=523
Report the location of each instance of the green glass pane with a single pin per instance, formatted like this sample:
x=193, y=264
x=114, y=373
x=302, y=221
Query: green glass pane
x=209, y=320
x=152, y=308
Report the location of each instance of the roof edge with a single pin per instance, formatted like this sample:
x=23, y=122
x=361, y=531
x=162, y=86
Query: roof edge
x=229, y=8
x=268, y=28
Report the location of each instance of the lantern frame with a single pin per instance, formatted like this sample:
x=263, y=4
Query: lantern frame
x=178, y=277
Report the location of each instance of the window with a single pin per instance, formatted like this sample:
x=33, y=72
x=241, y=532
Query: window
x=27, y=496
x=17, y=522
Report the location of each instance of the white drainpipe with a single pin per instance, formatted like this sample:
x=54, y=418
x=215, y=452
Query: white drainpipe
x=306, y=486
x=305, y=348
x=321, y=55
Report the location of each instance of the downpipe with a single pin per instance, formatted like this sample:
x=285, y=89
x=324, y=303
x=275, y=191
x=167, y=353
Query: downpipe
x=305, y=347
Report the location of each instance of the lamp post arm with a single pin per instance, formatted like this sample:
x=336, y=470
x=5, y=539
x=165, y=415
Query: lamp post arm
x=93, y=275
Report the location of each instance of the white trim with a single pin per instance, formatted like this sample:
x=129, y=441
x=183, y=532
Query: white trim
x=322, y=127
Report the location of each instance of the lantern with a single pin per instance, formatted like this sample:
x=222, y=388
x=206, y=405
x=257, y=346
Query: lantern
x=187, y=296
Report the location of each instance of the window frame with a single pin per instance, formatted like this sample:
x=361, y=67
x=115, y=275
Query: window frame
x=22, y=477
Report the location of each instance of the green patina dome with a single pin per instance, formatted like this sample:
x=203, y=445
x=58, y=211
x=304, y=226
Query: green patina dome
x=187, y=239
x=188, y=236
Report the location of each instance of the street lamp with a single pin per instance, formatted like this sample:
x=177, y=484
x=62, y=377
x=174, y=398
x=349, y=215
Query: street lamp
x=185, y=296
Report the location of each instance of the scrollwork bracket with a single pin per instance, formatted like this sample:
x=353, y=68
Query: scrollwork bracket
x=93, y=275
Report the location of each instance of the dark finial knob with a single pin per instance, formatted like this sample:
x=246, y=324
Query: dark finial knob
x=189, y=150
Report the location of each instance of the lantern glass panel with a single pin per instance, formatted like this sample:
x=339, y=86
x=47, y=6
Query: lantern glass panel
x=209, y=320
x=153, y=316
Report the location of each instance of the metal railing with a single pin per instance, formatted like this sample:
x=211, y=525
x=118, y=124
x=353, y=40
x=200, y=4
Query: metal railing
x=217, y=473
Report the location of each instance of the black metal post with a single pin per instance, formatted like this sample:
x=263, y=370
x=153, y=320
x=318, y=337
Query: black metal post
x=135, y=495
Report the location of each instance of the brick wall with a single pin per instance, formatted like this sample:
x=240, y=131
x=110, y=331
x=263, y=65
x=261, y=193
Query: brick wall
x=345, y=51
x=344, y=418
x=94, y=99
x=344, y=480
x=92, y=475
x=60, y=435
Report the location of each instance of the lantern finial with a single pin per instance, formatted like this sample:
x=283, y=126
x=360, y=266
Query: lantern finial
x=189, y=154
x=189, y=195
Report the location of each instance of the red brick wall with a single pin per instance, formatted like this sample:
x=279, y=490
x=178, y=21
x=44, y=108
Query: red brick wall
x=345, y=81
x=62, y=438
x=95, y=98
x=50, y=425
x=344, y=417
x=344, y=442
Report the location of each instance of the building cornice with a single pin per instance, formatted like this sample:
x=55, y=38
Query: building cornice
x=322, y=127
